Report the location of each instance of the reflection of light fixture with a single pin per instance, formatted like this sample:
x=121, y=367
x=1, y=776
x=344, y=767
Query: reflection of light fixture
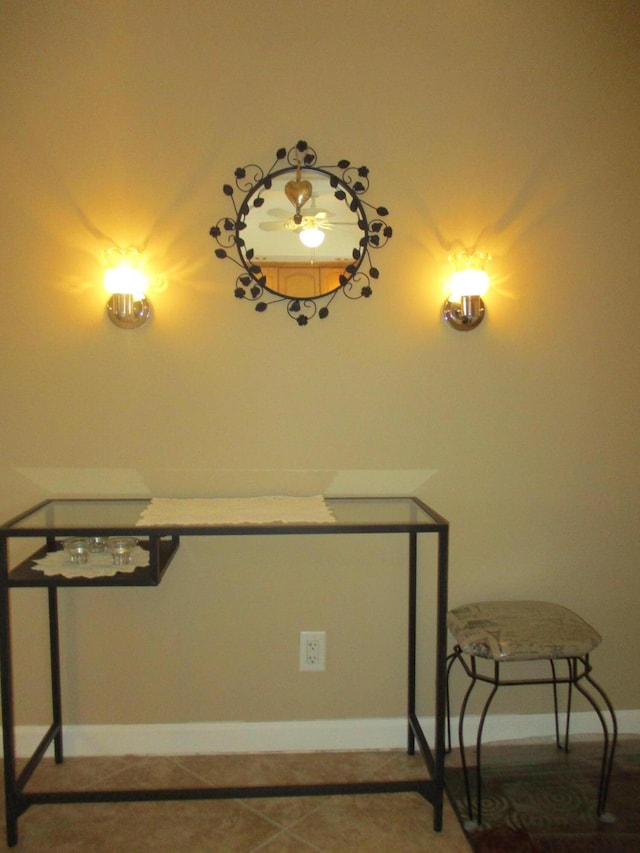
x=464, y=309
x=312, y=237
x=125, y=280
x=298, y=192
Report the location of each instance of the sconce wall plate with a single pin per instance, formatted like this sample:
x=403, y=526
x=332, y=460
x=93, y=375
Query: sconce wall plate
x=306, y=187
x=127, y=312
x=463, y=317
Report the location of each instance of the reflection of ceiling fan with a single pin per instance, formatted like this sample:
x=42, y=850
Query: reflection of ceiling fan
x=284, y=221
x=311, y=218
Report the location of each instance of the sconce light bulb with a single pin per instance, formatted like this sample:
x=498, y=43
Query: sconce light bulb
x=468, y=282
x=311, y=237
x=126, y=279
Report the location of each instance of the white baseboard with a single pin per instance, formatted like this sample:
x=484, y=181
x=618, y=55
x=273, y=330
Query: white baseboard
x=509, y=727
x=296, y=736
x=230, y=737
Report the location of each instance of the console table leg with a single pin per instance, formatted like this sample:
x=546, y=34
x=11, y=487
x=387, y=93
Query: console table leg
x=56, y=692
x=441, y=673
x=411, y=680
x=6, y=688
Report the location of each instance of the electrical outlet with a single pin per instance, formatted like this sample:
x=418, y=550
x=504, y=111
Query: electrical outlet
x=312, y=651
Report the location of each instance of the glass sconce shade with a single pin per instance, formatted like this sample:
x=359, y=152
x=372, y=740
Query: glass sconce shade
x=468, y=282
x=125, y=279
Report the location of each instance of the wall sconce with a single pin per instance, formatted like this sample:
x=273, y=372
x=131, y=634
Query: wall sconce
x=125, y=280
x=464, y=309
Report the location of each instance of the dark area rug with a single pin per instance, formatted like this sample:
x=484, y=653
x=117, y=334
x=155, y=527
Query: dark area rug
x=541, y=800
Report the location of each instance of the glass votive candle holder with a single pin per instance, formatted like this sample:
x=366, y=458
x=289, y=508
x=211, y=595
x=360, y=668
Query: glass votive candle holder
x=98, y=544
x=121, y=548
x=77, y=549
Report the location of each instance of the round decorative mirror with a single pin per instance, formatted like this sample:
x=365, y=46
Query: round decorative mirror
x=301, y=233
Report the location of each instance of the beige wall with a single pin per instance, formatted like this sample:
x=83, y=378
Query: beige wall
x=512, y=123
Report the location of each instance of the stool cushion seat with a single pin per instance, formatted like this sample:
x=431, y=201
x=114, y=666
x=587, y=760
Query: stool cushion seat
x=521, y=630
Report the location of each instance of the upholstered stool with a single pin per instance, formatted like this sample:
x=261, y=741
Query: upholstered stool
x=506, y=631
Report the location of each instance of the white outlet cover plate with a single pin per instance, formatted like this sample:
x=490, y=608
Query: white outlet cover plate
x=312, y=651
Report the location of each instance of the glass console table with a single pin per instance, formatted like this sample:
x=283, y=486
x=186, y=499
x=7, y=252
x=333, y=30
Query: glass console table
x=55, y=520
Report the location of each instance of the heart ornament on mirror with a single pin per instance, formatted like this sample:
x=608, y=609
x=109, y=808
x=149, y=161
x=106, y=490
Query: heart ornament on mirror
x=298, y=192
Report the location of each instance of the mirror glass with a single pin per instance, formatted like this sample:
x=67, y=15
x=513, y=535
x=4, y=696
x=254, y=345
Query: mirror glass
x=274, y=236
x=277, y=240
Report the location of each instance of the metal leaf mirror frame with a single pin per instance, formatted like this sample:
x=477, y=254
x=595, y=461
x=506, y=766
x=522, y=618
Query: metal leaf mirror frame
x=349, y=184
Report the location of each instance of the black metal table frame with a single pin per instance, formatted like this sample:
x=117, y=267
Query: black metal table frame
x=163, y=542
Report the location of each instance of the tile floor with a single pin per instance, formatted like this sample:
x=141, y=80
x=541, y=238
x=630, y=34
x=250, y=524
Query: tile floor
x=381, y=823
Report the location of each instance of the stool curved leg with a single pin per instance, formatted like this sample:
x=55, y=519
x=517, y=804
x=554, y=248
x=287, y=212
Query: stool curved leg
x=463, y=760
x=554, y=680
x=569, y=697
x=451, y=659
x=610, y=737
x=483, y=716
x=607, y=761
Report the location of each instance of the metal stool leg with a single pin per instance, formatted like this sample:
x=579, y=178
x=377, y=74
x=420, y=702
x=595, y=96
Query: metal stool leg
x=607, y=762
x=451, y=659
x=610, y=737
x=483, y=715
x=569, y=697
x=554, y=678
x=472, y=823
x=463, y=759
x=554, y=681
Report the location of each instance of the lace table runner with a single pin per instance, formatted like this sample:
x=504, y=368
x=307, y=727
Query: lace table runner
x=260, y=510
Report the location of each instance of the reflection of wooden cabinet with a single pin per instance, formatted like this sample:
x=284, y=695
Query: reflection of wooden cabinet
x=302, y=280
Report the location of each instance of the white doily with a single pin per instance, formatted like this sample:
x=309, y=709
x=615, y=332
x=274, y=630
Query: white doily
x=99, y=565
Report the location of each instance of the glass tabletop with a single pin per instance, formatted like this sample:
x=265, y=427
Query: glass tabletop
x=54, y=515
x=67, y=516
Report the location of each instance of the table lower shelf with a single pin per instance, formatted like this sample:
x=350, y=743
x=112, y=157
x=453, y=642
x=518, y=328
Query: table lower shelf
x=27, y=575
